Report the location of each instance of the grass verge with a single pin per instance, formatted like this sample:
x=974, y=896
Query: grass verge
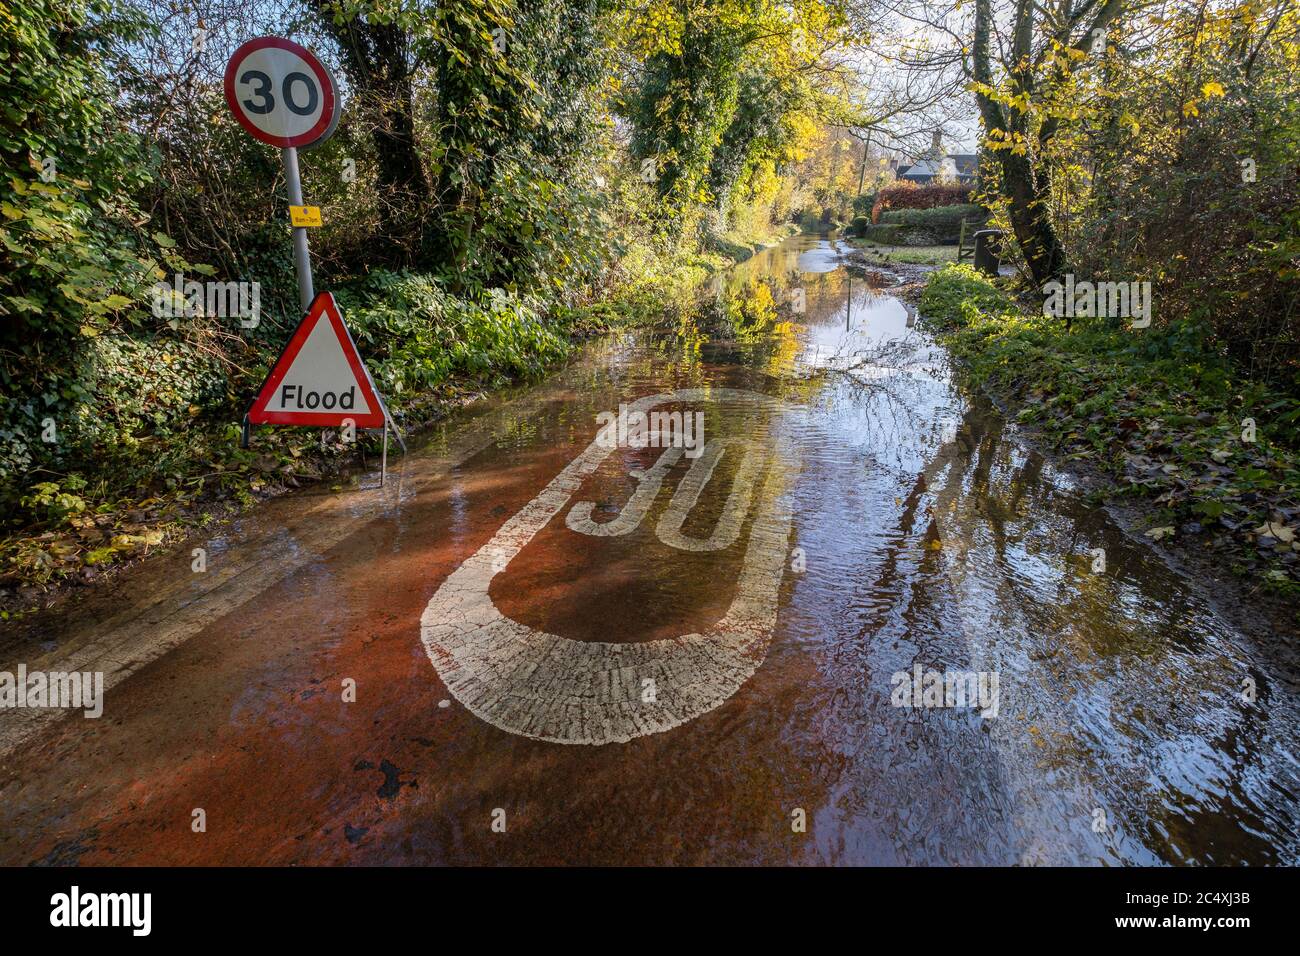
x=1160, y=413
x=908, y=255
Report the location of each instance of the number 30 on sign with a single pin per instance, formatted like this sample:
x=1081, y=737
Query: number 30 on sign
x=281, y=93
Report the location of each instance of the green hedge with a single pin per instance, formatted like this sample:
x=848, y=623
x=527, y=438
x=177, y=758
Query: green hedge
x=416, y=335
x=939, y=226
x=884, y=233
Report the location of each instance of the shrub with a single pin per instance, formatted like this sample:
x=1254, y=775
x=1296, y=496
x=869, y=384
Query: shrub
x=137, y=409
x=957, y=293
x=415, y=335
x=884, y=233
x=939, y=225
x=905, y=195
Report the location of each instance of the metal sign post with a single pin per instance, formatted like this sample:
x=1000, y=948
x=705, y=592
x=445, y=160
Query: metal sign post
x=301, y=255
x=383, y=461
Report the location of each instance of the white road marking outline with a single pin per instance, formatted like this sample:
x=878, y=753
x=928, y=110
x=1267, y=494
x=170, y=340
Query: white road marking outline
x=550, y=688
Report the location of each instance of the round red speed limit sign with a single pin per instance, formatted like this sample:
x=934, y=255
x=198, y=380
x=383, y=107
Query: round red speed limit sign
x=281, y=93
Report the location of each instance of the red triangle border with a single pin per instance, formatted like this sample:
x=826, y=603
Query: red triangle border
x=323, y=304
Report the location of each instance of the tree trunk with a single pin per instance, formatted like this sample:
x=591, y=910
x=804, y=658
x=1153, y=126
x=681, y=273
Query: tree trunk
x=1027, y=196
x=1025, y=189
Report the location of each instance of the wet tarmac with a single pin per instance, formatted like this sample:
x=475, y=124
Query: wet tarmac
x=851, y=618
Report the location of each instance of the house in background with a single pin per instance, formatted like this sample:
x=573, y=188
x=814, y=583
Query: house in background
x=936, y=165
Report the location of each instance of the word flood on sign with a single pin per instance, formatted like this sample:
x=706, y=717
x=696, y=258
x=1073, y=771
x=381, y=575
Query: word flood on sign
x=294, y=397
x=319, y=379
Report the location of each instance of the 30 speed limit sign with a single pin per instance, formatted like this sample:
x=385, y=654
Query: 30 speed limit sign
x=281, y=93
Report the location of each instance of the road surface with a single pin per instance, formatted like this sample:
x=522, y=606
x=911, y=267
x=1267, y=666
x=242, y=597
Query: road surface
x=538, y=646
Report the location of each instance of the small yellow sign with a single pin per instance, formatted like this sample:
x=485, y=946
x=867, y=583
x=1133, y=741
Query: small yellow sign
x=305, y=215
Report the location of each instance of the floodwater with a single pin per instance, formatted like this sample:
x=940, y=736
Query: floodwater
x=537, y=647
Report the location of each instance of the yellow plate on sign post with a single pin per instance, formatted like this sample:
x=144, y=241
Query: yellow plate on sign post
x=305, y=215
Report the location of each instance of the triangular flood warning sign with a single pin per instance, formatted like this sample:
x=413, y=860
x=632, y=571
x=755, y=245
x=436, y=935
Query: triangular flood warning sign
x=319, y=378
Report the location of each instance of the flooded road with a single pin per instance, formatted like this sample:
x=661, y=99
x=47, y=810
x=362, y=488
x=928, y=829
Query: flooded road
x=848, y=617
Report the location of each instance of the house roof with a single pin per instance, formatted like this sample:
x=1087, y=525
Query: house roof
x=962, y=164
x=922, y=167
x=966, y=163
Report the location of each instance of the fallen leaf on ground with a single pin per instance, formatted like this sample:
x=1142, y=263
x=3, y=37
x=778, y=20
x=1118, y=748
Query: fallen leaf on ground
x=1282, y=532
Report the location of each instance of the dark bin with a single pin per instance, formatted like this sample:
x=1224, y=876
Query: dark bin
x=987, y=247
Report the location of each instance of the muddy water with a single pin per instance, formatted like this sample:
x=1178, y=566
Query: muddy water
x=623, y=654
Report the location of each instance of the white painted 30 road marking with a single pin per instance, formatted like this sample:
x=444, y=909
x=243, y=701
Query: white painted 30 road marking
x=551, y=688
